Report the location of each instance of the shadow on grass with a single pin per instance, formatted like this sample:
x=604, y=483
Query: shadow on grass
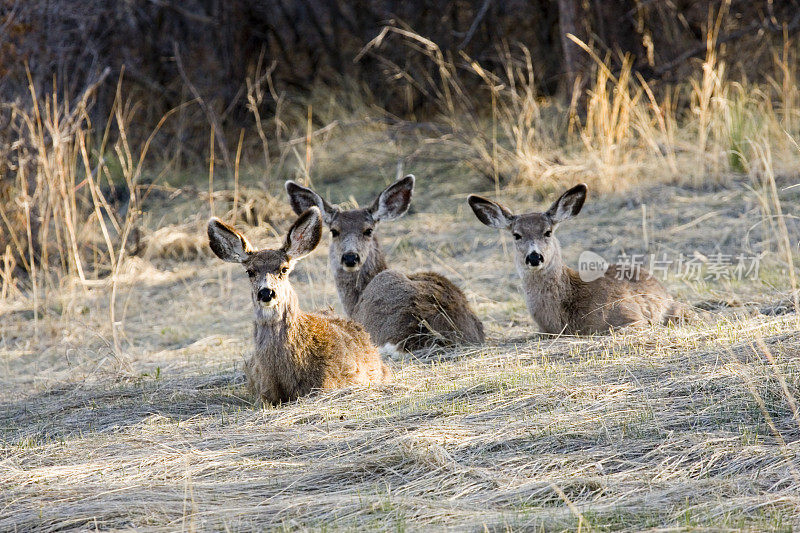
x=84, y=408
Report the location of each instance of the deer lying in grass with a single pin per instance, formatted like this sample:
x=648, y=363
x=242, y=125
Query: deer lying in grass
x=407, y=311
x=557, y=298
x=295, y=352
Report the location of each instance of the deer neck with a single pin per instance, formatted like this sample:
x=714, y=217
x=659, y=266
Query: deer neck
x=276, y=332
x=351, y=284
x=546, y=290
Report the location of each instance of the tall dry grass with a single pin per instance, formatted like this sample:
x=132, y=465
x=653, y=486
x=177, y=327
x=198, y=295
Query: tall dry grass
x=619, y=129
x=60, y=225
x=63, y=234
x=71, y=196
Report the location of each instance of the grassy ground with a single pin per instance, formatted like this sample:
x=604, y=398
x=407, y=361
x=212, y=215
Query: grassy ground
x=663, y=428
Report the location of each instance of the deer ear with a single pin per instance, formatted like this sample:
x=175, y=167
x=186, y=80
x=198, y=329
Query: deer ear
x=568, y=205
x=304, y=235
x=227, y=243
x=490, y=213
x=394, y=201
x=302, y=198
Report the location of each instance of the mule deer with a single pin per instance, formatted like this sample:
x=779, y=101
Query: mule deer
x=295, y=352
x=408, y=311
x=556, y=296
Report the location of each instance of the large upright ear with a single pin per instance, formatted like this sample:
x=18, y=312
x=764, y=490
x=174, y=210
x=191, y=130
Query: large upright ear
x=227, y=243
x=568, y=205
x=304, y=235
x=393, y=202
x=302, y=198
x=490, y=213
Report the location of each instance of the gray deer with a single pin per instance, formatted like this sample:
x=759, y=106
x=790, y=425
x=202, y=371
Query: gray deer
x=557, y=298
x=295, y=352
x=407, y=311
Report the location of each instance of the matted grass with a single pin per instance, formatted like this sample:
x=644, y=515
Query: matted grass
x=659, y=428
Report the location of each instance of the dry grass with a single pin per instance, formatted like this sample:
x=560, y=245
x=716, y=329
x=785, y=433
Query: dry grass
x=661, y=428
x=122, y=401
x=621, y=130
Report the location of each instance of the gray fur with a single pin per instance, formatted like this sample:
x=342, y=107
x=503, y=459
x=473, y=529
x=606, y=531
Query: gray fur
x=557, y=298
x=409, y=311
x=568, y=205
x=393, y=202
x=227, y=243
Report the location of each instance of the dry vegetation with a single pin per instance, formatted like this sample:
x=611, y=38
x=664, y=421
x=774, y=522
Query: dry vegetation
x=694, y=426
x=123, y=403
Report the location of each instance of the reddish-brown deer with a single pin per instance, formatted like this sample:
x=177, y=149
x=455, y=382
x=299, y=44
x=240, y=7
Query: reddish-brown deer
x=408, y=311
x=295, y=352
x=557, y=298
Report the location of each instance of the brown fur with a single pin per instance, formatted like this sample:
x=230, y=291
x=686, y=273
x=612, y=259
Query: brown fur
x=417, y=310
x=557, y=298
x=295, y=352
x=564, y=303
x=409, y=311
x=310, y=351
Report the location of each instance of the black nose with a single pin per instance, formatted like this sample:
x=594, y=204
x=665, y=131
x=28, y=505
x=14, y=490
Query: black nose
x=534, y=259
x=350, y=260
x=265, y=295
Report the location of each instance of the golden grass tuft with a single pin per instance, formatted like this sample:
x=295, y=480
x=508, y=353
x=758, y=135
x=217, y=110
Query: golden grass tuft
x=178, y=243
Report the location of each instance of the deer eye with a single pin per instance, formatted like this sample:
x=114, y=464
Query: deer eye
x=368, y=232
x=284, y=269
x=548, y=233
x=251, y=273
x=335, y=232
x=517, y=236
